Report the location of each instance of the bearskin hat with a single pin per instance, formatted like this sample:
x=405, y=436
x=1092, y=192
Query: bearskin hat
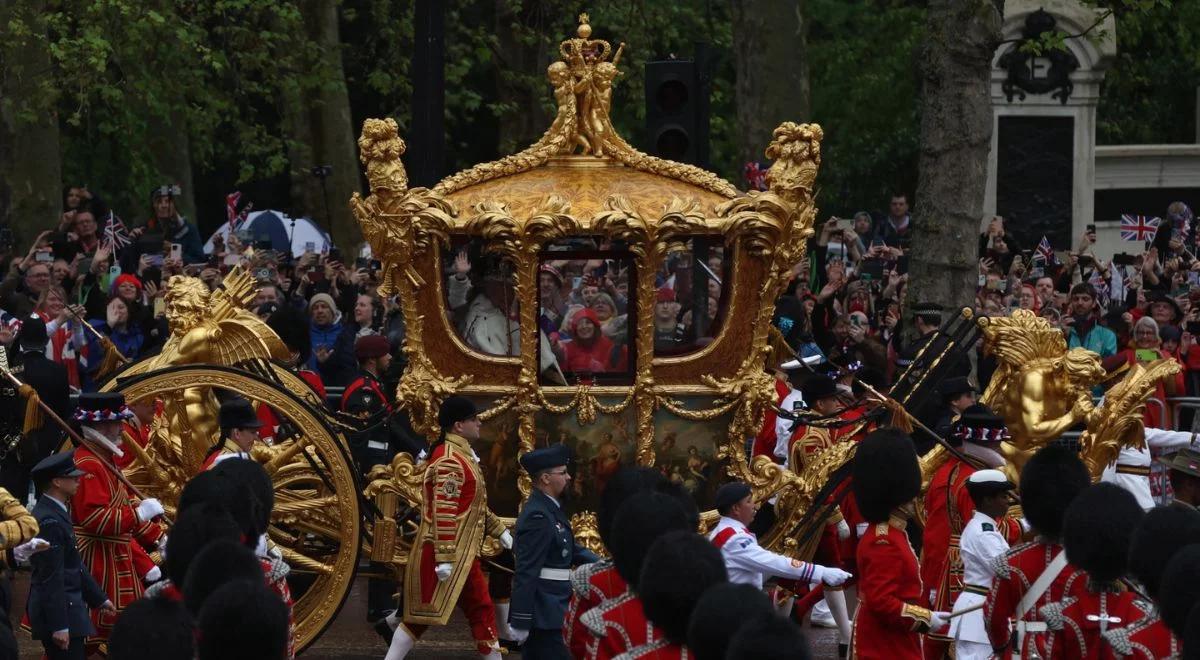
x=886, y=473
x=1050, y=481
x=721, y=611
x=626, y=483
x=1179, y=591
x=153, y=629
x=243, y=620
x=769, y=637
x=255, y=477
x=218, y=563
x=1164, y=531
x=196, y=527
x=1191, y=635
x=677, y=571
x=638, y=523
x=1098, y=528
x=233, y=495
x=684, y=499
x=293, y=329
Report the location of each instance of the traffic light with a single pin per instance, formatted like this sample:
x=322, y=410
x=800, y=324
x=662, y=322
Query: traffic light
x=677, y=111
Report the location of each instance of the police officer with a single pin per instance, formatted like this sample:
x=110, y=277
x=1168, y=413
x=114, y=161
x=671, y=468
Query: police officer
x=27, y=441
x=62, y=588
x=957, y=394
x=545, y=551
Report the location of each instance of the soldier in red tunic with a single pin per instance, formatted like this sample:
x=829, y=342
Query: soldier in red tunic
x=107, y=521
x=1163, y=533
x=593, y=584
x=620, y=624
x=1097, y=532
x=948, y=507
x=1050, y=481
x=443, y=567
x=891, y=614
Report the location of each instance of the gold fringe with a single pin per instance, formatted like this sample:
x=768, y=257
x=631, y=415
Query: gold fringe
x=33, y=412
x=112, y=359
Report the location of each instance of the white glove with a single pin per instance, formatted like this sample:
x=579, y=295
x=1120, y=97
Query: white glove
x=152, y=575
x=148, y=509
x=1025, y=526
x=519, y=636
x=834, y=577
x=843, y=530
x=23, y=552
x=506, y=540
x=444, y=571
x=938, y=620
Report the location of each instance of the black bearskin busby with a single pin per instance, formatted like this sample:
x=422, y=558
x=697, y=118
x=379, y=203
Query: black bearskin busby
x=153, y=629
x=677, y=571
x=1050, y=481
x=638, y=523
x=886, y=473
x=1164, y=531
x=243, y=620
x=626, y=483
x=256, y=479
x=1097, y=531
x=233, y=495
x=195, y=528
x=218, y=563
x=1191, y=635
x=770, y=637
x=721, y=611
x=293, y=329
x=1179, y=590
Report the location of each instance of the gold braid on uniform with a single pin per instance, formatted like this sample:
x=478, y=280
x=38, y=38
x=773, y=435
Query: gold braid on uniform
x=33, y=411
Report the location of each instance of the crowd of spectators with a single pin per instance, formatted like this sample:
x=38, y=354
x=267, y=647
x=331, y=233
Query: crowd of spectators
x=91, y=276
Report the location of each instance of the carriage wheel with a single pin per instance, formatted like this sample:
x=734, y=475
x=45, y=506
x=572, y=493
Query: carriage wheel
x=316, y=523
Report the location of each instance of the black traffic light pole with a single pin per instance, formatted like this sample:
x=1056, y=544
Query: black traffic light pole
x=427, y=139
x=677, y=118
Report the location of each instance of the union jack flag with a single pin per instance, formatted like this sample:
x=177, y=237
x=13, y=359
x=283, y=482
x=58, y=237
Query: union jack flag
x=756, y=175
x=1045, y=252
x=1103, y=293
x=232, y=214
x=1138, y=227
x=115, y=234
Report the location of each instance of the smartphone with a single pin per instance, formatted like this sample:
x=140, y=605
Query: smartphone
x=902, y=264
x=160, y=306
x=1124, y=259
x=1193, y=328
x=114, y=271
x=843, y=224
x=1147, y=355
x=310, y=247
x=44, y=257
x=1091, y=229
x=262, y=274
x=155, y=260
x=997, y=285
x=176, y=252
x=316, y=276
x=375, y=264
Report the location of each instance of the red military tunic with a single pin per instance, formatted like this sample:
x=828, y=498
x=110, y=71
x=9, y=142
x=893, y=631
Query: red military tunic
x=1075, y=628
x=268, y=417
x=620, y=626
x=948, y=507
x=663, y=649
x=107, y=526
x=454, y=519
x=591, y=586
x=1015, y=572
x=228, y=449
x=890, y=614
x=1147, y=639
x=764, y=442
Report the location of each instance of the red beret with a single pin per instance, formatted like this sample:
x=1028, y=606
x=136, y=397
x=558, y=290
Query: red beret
x=666, y=294
x=371, y=346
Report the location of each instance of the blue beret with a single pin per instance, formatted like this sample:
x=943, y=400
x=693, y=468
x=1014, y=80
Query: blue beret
x=545, y=458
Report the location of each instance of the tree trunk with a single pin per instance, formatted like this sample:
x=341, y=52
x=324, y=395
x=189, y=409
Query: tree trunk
x=520, y=69
x=956, y=133
x=332, y=128
x=173, y=162
x=296, y=120
x=30, y=156
x=771, y=60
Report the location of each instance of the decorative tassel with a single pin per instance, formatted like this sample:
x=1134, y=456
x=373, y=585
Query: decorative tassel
x=112, y=359
x=900, y=417
x=33, y=412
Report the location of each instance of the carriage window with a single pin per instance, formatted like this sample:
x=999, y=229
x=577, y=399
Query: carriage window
x=690, y=303
x=481, y=299
x=585, y=314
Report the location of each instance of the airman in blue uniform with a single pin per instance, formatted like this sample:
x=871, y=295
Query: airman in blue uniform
x=545, y=551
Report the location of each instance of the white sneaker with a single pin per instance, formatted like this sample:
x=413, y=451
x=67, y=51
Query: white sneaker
x=821, y=617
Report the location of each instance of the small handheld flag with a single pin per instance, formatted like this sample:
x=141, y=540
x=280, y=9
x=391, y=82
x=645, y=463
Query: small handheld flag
x=115, y=234
x=1138, y=227
x=1045, y=252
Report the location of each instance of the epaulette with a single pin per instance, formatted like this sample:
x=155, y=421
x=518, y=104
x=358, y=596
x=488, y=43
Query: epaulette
x=881, y=529
x=1052, y=613
x=581, y=578
x=593, y=620
x=1000, y=567
x=1118, y=639
x=642, y=651
x=279, y=569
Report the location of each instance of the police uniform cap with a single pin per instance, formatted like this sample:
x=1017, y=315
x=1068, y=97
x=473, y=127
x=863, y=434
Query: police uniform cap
x=371, y=346
x=33, y=334
x=929, y=311
x=55, y=466
x=954, y=387
x=456, y=409
x=988, y=482
x=545, y=458
x=1186, y=461
x=238, y=414
x=730, y=494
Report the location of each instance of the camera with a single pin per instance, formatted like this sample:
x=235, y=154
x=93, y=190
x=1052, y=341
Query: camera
x=262, y=274
x=322, y=171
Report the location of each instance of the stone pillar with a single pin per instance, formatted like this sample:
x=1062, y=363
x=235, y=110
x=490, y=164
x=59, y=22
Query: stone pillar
x=1048, y=140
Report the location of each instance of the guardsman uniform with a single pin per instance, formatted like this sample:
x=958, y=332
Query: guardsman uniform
x=891, y=612
x=443, y=565
x=948, y=509
x=545, y=551
x=979, y=547
x=593, y=585
x=62, y=588
x=107, y=522
x=30, y=435
x=236, y=413
x=619, y=625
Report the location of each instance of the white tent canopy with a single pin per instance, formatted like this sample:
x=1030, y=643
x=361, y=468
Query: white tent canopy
x=282, y=230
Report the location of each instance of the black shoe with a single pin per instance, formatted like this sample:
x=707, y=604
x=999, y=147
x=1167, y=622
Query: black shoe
x=510, y=646
x=843, y=650
x=385, y=631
